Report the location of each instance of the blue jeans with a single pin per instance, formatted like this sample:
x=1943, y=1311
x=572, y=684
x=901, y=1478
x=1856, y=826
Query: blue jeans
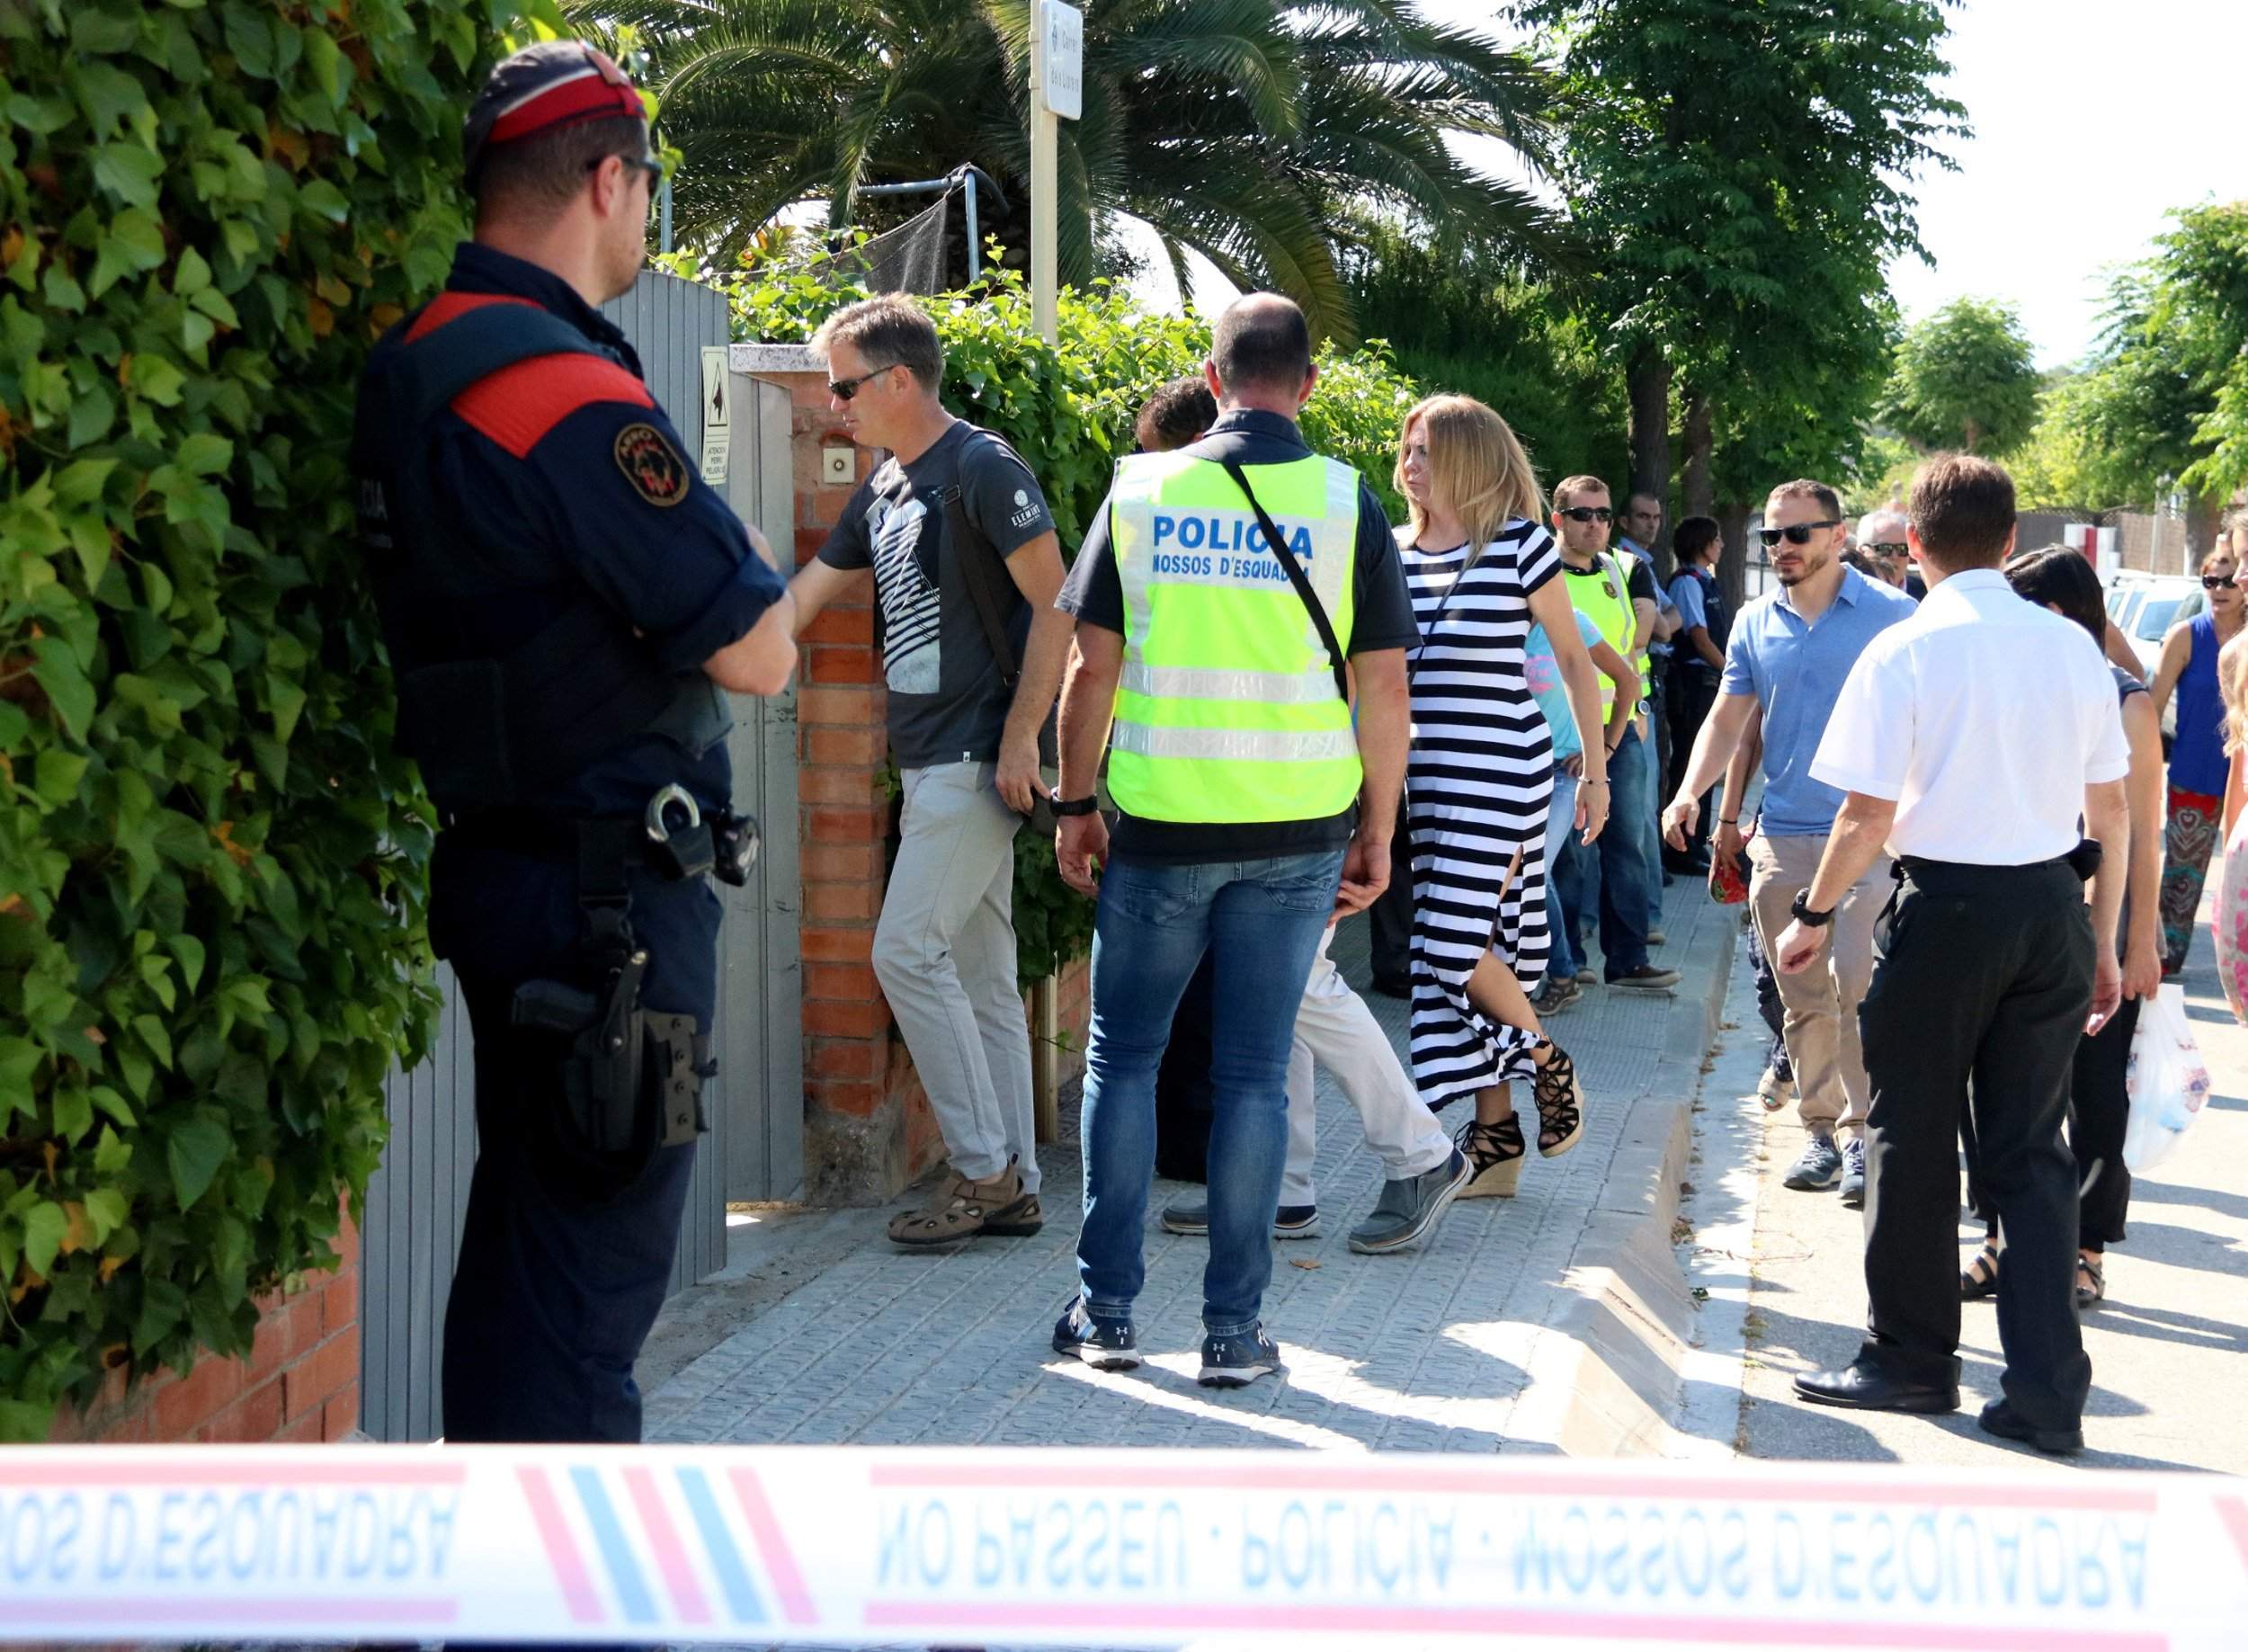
x=1613, y=875
x=1651, y=821
x=1563, y=956
x=1260, y=922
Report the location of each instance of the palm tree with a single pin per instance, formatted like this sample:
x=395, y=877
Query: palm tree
x=1247, y=130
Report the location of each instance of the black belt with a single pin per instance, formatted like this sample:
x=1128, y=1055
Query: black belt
x=608, y=840
x=2080, y=862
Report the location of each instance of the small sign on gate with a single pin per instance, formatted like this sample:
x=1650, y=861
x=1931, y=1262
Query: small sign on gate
x=718, y=412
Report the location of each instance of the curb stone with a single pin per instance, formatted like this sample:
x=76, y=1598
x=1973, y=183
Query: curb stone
x=1607, y=1369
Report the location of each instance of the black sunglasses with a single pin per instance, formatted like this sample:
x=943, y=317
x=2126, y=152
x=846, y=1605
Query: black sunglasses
x=1588, y=512
x=1891, y=548
x=844, y=390
x=2216, y=582
x=1800, y=534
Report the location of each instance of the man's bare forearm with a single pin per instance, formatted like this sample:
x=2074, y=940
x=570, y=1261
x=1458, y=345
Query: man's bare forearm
x=1861, y=827
x=1385, y=730
x=1043, y=658
x=2108, y=821
x=1088, y=705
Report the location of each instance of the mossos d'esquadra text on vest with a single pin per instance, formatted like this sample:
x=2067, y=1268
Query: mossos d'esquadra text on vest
x=1222, y=546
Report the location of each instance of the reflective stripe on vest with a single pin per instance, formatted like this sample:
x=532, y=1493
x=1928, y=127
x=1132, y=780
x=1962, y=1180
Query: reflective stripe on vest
x=1227, y=712
x=1606, y=601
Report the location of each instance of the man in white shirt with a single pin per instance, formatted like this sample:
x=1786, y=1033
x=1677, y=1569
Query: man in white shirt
x=1991, y=960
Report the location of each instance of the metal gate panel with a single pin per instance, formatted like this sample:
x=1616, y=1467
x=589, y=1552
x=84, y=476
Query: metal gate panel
x=418, y=1197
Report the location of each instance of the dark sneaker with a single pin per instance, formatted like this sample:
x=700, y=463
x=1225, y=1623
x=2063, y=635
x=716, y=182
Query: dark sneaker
x=1191, y=1216
x=1854, y=1174
x=1559, y=993
x=1236, y=1361
x=1819, y=1168
x=1105, y=1344
x=1646, y=977
x=1409, y=1206
x=1394, y=985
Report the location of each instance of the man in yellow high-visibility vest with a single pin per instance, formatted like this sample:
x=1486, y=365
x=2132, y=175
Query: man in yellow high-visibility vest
x=1255, y=802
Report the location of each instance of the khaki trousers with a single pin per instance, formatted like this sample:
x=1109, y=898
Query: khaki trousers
x=1821, y=1003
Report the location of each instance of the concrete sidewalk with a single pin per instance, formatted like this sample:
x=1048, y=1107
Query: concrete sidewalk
x=1786, y=1274
x=819, y=1332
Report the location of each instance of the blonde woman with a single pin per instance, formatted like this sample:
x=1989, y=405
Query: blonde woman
x=1481, y=570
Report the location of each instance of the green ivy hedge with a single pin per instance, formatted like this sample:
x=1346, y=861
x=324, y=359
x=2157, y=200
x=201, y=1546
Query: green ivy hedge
x=211, y=938
x=1068, y=408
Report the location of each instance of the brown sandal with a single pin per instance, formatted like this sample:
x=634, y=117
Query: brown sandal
x=960, y=1208
x=1560, y=1103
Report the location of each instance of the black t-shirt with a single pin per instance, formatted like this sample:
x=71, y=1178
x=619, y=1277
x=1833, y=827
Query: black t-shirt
x=947, y=701
x=1381, y=619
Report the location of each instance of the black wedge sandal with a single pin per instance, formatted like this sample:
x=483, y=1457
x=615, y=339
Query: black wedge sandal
x=1560, y=1103
x=1978, y=1281
x=1495, y=1157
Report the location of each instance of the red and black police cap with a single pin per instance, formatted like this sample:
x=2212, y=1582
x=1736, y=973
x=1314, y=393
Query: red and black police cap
x=543, y=88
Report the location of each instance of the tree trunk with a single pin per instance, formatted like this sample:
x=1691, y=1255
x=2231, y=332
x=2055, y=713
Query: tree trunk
x=1733, y=566
x=1647, y=380
x=1700, y=490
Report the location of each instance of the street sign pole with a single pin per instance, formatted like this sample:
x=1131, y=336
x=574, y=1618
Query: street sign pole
x=1056, y=93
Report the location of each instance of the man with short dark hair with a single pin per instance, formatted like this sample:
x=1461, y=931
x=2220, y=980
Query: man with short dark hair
x=1219, y=595
x=1994, y=962
x=1614, y=876
x=1786, y=660
x=567, y=605
x=957, y=533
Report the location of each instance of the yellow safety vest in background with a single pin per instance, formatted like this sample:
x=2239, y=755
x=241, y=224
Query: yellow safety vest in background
x=1228, y=711
x=1604, y=597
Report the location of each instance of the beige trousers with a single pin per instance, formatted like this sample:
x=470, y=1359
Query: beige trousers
x=1822, y=1002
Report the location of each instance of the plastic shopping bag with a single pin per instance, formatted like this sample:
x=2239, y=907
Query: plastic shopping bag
x=2166, y=1081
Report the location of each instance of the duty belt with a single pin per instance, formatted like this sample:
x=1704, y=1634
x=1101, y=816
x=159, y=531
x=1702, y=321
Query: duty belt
x=671, y=837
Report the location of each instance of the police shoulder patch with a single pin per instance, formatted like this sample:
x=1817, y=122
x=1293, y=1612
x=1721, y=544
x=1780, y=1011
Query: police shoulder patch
x=651, y=464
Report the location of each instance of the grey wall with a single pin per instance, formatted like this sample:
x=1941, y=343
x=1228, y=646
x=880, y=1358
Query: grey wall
x=416, y=1200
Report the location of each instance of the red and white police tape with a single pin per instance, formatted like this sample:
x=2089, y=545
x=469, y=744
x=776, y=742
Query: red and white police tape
x=850, y=1547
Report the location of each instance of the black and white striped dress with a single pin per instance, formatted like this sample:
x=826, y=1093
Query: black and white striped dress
x=1478, y=783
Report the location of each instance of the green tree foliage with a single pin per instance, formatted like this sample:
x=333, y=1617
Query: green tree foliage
x=1459, y=318
x=1239, y=129
x=2166, y=393
x=1963, y=378
x=1742, y=174
x=212, y=939
x=1068, y=408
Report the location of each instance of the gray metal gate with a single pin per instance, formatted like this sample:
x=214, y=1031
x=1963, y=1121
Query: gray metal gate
x=416, y=1201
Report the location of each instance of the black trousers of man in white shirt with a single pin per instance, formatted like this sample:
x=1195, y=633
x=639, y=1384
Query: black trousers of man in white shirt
x=1982, y=981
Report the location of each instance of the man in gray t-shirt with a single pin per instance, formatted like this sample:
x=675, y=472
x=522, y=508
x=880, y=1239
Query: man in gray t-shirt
x=947, y=702
x=965, y=734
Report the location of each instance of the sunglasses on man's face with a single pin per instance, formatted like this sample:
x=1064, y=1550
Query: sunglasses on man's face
x=1891, y=548
x=1588, y=512
x=1800, y=534
x=844, y=390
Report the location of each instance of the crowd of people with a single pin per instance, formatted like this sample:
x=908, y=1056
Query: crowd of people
x=1958, y=893
x=1497, y=728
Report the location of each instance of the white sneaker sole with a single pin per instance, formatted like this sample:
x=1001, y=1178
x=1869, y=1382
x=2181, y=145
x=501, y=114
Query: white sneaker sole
x=1236, y=1376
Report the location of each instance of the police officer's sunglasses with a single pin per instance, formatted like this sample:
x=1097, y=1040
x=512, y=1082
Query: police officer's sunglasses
x=1588, y=512
x=844, y=390
x=1800, y=534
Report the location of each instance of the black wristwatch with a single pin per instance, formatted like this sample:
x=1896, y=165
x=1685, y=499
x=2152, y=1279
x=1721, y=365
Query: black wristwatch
x=1800, y=908
x=1080, y=806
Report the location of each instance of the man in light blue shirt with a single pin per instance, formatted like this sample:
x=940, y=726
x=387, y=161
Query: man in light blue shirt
x=1789, y=654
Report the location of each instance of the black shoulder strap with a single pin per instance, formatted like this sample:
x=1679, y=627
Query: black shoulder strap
x=979, y=562
x=1295, y=577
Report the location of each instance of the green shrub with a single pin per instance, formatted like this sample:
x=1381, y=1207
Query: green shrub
x=1068, y=408
x=211, y=938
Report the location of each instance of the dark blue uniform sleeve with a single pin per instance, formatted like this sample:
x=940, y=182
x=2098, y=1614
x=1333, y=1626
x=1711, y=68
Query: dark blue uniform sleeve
x=632, y=519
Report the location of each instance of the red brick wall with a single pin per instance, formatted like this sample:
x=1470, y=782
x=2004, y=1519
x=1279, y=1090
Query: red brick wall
x=299, y=1386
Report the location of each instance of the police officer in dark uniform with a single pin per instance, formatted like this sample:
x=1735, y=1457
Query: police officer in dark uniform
x=567, y=605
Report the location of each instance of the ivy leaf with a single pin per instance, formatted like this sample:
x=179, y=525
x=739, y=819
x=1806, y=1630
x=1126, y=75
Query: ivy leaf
x=19, y=1060
x=108, y=94
x=188, y=952
x=204, y=454
x=324, y=198
x=21, y=1422
x=44, y=1226
x=194, y=1151
x=154, y=1034
x=57, y=668
x=107, y=1210
x=128, y=172
x=60, y=773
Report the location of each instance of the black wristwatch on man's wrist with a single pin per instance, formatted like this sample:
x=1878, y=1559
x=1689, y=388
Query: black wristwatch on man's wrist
x=1077, y=805
x=1800, y=909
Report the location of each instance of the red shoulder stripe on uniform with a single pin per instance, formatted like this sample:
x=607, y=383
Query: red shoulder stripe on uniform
x=517, y=405
x=451, y=307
